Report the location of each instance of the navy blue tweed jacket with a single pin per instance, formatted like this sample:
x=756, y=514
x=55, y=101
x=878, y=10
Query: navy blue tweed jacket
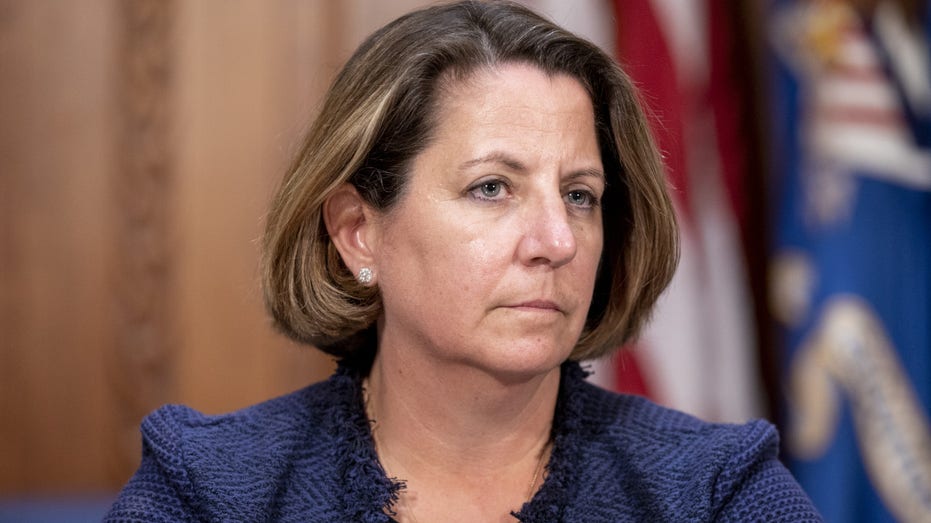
x=309, y=457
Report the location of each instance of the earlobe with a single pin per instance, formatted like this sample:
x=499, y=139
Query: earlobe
x=348, y=219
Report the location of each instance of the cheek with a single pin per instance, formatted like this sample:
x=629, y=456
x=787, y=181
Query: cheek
x=429, y=256
x=465, y=258
x=597, y=252
x=445, y=267
x=590, y=246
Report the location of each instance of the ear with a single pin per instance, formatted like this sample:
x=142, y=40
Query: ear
x=349, y=223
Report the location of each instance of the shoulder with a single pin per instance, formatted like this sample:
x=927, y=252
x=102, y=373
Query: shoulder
x=236, y=465
x=273, y=424
x=667, y=464
x=657, y=439
x=626, y=419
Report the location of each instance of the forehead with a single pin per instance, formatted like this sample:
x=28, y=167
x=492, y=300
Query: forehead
x=507, y=81
x=513, y=102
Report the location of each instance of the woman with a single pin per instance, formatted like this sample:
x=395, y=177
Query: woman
x=478, y=207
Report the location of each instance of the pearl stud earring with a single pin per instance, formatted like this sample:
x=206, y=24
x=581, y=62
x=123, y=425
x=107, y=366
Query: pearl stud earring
x=365, y=276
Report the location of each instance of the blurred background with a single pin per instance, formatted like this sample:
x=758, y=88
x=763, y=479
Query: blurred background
x=141, y=140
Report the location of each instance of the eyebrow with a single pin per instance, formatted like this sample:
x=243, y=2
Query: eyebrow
x=495, y=157
x=516, y=165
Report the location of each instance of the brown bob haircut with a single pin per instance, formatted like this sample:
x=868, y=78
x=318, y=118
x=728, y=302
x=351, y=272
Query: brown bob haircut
x=379, y=114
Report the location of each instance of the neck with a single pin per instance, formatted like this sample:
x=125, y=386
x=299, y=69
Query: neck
x=445, y=428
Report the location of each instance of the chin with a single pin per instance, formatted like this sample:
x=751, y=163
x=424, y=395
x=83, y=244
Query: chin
x=524, y=361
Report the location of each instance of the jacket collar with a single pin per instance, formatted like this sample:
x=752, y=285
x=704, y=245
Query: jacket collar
x=369, y=494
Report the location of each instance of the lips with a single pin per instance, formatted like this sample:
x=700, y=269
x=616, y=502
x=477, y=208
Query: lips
x=540, y=305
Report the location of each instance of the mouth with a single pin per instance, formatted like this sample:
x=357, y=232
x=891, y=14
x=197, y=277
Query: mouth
x=536, y=306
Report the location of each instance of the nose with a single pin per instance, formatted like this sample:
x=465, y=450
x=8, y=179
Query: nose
x=548, y=238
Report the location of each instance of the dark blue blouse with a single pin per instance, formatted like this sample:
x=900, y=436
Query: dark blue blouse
x=309, y=457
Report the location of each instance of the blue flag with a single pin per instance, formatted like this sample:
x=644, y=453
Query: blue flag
x=851, y=269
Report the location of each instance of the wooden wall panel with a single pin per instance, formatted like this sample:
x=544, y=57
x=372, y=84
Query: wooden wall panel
x=145, y=261
x=140, y=142
x=224, y=108
x=55, y=160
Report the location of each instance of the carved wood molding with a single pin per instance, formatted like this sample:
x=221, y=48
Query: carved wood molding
x=144, y=334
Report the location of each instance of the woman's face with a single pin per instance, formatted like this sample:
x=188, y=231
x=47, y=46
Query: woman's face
x=489, y=258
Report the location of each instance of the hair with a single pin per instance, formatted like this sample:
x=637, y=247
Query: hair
x=379, y=114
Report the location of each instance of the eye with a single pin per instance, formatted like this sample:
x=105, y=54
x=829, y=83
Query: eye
x=580, y=198
x=490, y=190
